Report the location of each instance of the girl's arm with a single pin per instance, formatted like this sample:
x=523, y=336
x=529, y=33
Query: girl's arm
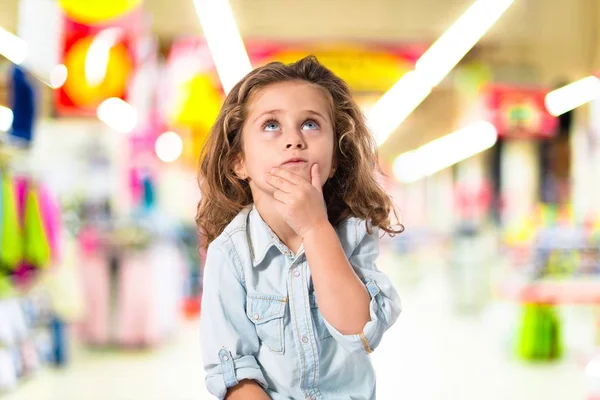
x=228, y=337
x=343, y=299
x=358, y=302
x=247, y=390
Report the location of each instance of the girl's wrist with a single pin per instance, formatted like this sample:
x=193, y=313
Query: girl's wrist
x=316, y=230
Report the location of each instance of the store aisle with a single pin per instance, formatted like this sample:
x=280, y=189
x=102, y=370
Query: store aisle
x=433, y=354
x=430, y=354
x=173, y=371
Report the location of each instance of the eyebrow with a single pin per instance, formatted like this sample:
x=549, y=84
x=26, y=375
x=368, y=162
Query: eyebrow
x=279, y=111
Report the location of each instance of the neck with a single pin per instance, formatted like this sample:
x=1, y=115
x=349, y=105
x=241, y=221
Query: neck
x=268, y=212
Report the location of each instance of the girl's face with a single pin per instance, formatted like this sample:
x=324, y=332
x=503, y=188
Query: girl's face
x=288, y=125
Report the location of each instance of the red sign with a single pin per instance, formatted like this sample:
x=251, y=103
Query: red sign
x=114, y=44
x=519, y=112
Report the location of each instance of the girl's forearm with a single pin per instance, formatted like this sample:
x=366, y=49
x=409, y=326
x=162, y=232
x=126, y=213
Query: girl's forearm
x=247, y=390
x=342, y=297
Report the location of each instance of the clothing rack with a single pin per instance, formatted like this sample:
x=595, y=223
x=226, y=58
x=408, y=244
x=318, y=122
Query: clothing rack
x=30, y=335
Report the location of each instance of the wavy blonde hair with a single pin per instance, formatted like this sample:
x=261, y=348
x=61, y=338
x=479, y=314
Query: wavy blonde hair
x=353, y=189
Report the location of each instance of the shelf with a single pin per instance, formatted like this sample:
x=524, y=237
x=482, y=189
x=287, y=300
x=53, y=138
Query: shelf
x=568, y=291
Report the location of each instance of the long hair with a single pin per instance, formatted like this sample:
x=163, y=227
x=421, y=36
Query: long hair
x=353, y=189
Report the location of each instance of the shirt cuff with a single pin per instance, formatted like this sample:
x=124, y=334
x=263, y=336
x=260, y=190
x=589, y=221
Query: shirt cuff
x=366, y=341
x=229, y=372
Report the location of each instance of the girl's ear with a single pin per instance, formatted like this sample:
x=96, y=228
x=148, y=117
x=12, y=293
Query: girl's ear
x=333, y=166
x=240, y=168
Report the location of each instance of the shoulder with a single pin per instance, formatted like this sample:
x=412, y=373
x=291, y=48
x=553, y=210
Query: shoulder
x=238, y=223
x=224, y=252
x=236, y=227
x=353, y=231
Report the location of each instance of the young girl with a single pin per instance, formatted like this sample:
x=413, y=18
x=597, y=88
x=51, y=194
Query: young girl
x=293, y=302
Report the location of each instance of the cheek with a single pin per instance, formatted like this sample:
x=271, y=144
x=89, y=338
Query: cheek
x=258, y=160
x=329, y=148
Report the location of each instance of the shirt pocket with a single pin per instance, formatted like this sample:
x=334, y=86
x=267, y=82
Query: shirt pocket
x=267, y=313
x=322, y=331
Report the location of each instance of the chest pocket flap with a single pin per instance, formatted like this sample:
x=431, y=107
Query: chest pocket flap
x=267, y=312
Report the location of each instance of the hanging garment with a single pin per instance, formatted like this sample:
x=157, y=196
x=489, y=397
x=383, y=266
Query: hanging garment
x=8, y=373
x=63, y=283
x=167, y=265
x=29, y=355
x=1, y=222
x=36, y=249
x=149, y=197
x=136, y=319
x=21, y=188
x=50, y=212
x=11, y=239
x=6, y=287
x=6, y=333
x=24, y=275
x=23, y=106
x=94, y=326
x=16, y=319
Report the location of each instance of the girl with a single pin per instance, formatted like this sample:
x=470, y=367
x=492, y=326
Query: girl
x=293, y=302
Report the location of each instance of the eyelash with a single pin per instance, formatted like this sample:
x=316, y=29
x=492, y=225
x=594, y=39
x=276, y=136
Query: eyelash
x=271, y=121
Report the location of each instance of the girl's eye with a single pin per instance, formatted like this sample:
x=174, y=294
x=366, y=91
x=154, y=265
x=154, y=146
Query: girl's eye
x=310, y=125
x=271, y=126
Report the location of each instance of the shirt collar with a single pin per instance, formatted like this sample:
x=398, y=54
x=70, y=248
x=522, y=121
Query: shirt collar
x=262, y=238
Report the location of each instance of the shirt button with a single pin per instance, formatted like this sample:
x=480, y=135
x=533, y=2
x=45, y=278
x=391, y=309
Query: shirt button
x=225, y=358
x=256, y=317
x=297, y=274
x=304, y=339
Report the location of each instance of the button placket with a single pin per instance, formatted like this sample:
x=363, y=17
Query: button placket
x=303, y=324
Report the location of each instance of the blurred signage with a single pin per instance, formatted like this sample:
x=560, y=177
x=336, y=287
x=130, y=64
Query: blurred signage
x=519, y=112
x=365, y=67
x=107, y=46
x=92, y=12
x=192, y=96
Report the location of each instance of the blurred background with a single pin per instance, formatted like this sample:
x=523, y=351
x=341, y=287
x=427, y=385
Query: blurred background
x=487, y=119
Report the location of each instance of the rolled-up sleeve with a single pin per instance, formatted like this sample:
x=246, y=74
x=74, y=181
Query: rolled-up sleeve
x=228, y=338
x=385, y=305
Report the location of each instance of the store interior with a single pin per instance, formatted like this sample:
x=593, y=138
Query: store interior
x=486, y=114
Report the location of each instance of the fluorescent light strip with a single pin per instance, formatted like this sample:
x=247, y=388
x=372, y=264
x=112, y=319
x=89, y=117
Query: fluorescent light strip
x=431, y=68
x=168, y=147
x=573, y=95
x=58, y=76
x=444, y=152
x=97, y=57
x=455, y=43
x=396, y=105
x=13, y=47
x=118, y=114
x=224, y=41
x=16, y=50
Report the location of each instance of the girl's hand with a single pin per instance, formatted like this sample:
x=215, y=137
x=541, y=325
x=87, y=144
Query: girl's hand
x=299, y=201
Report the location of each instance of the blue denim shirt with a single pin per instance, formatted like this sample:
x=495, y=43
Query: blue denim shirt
x=261, y=320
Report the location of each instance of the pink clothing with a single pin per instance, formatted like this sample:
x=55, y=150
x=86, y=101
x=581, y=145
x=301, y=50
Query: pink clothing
x=95, y=325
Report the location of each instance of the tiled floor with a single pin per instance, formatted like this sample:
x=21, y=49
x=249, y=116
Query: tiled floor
x=430, y=354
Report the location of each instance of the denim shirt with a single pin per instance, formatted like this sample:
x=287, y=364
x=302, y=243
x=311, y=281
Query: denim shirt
x=260, y=318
